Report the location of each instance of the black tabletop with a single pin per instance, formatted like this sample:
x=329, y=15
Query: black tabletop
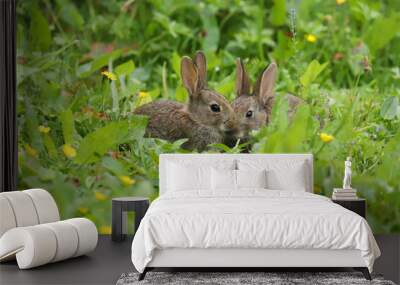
x=130, y=199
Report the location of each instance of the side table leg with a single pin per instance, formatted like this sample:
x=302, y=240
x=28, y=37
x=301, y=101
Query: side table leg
x=140, y=211
x=117, y=219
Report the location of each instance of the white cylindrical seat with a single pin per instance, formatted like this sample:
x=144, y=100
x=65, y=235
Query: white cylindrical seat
x=37, y=245
x=31, y=232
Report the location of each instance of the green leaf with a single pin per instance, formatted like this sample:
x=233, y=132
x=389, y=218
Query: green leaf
x=32, y=124
x=70, y=14
x=312, y=72
x=390, y=108
x=40, y=36
x=114, y=166
x=50, y=146
x=125, y=68
x=97, y=143
x=226, y=85
x=382, y=31
x=68, y=127
x=278, y=13
x=181, y=94
x=176, y=63
x=87, y=69
x=210, y=25
x=174, y=28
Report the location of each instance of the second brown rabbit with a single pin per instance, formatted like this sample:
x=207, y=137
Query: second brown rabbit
x=207, y=118
x=253, y=109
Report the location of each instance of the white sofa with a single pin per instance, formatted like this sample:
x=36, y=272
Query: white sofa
x=31, y=230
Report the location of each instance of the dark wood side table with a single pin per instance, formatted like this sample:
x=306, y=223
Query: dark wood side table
x=358, y=206
x=122, y=205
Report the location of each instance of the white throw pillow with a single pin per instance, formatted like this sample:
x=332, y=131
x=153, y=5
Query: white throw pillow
x=181, y=177
x=281, y=175
x=193, y=173
x=223, y=179
x=293, y=180
x=251, y=178
x=226, y=179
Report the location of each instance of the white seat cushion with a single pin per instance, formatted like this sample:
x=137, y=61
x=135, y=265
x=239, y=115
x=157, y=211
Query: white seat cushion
x=46, y=207
x=7, y=220
x=23, y=208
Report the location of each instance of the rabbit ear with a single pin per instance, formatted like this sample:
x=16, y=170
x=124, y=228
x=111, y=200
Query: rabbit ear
x=189, y=75
x=242, y=80
x=201, y=63
x=264, y=88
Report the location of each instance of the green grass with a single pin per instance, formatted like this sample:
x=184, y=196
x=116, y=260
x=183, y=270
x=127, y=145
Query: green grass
x=342, y=60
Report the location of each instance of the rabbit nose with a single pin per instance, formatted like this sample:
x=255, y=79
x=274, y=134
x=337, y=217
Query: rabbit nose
x=229, y=124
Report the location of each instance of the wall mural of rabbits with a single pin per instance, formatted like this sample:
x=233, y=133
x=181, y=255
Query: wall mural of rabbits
x=208, y=118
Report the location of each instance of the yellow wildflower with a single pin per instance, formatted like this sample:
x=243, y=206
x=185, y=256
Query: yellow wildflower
x=44, y=129
x=83, y=210
x=31, y=151
x=126, y=180
x=326, y=138
x=144, y=94
x=311, y=38
x=69, y=151
x=105, y=230
x=340, y=2
x=143, y=98
x=109, y=75
x=100, y=196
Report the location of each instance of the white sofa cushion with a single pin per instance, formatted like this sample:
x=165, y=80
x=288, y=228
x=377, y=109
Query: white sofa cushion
x=45, y=206
x=67, y=240
x=87, y=233
x=23, y=208
x=7, y=220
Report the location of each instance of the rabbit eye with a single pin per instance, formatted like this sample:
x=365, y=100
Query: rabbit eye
x=215, y=108
x=249, y=114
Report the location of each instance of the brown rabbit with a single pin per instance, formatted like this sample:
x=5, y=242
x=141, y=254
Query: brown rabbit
x=206, y=119
x=253, y=110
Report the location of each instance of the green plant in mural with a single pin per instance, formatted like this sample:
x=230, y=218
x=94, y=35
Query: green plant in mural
x=84, y=67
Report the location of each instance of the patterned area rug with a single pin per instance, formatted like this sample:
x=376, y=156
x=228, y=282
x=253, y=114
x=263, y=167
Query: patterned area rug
x=233, y=278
